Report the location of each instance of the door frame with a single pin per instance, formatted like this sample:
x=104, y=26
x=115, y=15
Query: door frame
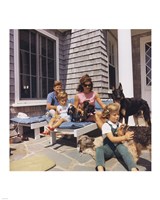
x=145, y=89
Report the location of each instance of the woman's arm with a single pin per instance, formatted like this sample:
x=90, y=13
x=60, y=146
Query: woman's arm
x=98, y=99
x=76, y=101
x=76, y=104
x=128, y=136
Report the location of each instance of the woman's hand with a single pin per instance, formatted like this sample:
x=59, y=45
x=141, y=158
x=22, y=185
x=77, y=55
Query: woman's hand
x=129, y=135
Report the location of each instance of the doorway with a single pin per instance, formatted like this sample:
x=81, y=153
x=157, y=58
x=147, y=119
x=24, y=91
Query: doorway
x=146, y=68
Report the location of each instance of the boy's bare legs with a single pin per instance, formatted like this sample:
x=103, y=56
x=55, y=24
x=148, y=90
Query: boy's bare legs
x=49, y=127
x=52, y=121
x=58, y=123
x=52, y=126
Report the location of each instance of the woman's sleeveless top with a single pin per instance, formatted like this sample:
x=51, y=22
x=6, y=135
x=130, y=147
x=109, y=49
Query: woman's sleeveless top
x=87, y=97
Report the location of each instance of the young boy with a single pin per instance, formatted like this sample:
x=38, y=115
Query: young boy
x=61, y=113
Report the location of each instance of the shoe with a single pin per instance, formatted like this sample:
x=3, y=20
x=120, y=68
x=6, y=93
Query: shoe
x=50, y=128
x=46, y=132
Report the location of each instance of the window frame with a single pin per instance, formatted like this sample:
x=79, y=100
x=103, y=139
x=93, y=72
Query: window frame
x=111, y=39
x=30, y=102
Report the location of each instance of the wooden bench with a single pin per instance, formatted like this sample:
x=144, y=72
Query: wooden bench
x=77, y=131
x=35, y=123
x=34, y=126
x=69, y=131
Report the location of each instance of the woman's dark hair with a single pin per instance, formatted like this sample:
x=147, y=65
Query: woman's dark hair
x=83, y=80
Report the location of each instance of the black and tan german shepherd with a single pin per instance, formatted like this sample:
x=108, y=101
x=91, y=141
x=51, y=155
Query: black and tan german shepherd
x=131, y=106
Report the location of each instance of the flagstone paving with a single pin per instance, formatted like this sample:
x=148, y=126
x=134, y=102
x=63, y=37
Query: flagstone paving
x=67, y=156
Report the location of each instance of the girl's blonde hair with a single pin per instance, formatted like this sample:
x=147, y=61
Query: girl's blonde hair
x=62, y=95
x=113, y=107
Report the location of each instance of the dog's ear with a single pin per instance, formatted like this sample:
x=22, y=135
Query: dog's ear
x=81, y=138
x=120, y=86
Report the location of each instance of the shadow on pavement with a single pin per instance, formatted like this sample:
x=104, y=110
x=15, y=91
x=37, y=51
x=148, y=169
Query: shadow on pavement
x=145, y=163
x=67, y=140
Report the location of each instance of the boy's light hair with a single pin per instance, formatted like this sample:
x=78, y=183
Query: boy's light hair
x=113, y=107
x=62, y=95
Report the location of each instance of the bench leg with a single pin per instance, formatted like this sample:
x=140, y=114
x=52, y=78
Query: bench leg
x=20, y=130
x=53, y=137
x=37, y=133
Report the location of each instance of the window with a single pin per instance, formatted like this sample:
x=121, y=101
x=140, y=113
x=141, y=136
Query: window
x=112, y=49
x=148, y=63
x=37, y=64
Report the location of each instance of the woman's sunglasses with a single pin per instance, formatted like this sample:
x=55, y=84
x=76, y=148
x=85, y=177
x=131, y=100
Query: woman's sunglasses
x=87, y=85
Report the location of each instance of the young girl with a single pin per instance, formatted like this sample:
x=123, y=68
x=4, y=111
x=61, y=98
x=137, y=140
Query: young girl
x=61, y=113
x=112, y=142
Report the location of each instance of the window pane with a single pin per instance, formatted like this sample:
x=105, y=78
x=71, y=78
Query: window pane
x=33, y=42
x=44, y=73
x=148, y=63
x=111, y=76
x=34, y=87
x=25, y=86
x=50, y=49
x=51, y=68
x=147, y=46
x=24, y=40
x=44, y=88
x=50, y=85
x=43, y=40
x=37, y=64
x=24, y=62
x=148, y=79
x=33, y=64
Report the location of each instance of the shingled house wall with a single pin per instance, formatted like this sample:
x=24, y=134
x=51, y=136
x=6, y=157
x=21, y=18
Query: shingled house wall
x=80, y=51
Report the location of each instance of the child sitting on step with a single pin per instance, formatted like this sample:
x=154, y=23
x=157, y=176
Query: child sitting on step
x=61, y=113
x=113, y=141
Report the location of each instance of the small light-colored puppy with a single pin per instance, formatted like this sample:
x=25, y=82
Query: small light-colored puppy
x=88, y=145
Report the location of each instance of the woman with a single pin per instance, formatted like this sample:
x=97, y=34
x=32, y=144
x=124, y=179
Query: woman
x=86, y=93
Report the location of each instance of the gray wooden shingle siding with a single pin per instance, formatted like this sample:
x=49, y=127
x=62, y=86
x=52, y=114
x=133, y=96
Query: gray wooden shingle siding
x=85, y=51
x=12, y=94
